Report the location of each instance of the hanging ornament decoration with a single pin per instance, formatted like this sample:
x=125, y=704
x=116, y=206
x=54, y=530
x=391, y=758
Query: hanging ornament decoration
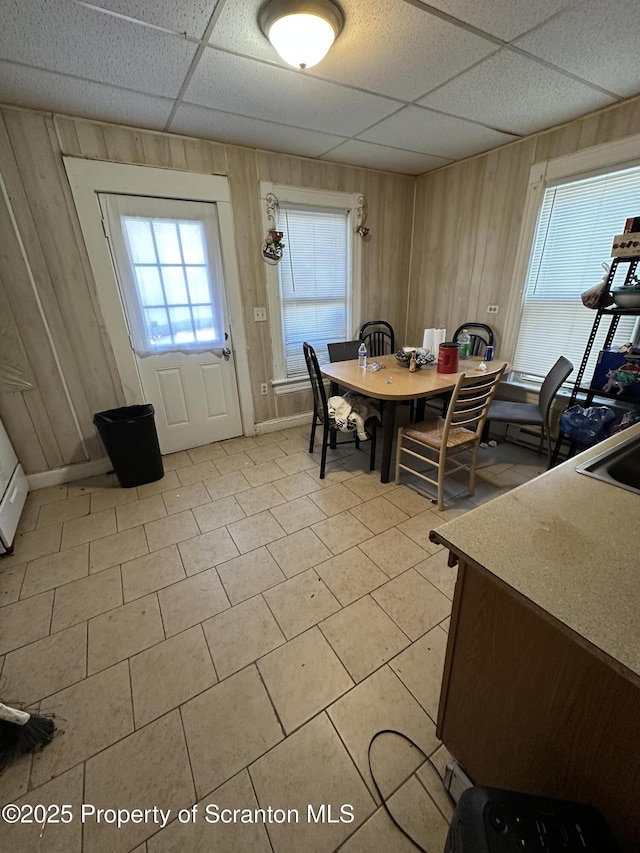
x=362, y=213
x=273, y=246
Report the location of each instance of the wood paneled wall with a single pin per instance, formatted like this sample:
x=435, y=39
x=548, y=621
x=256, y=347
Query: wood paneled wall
x=49, y=286
x=468, y=219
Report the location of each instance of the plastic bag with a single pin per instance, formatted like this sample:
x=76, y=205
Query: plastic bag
x=587, y=426
x=591, y=297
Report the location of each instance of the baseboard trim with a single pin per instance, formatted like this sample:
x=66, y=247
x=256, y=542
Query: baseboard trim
x=284, y=423
x=68, y=474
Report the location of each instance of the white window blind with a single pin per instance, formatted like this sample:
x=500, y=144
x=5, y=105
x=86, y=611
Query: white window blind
x=314, y=276
x=574, y=235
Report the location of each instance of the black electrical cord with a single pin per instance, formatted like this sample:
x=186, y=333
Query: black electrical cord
x=379, y=792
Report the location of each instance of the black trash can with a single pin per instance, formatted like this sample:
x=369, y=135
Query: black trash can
x=131, y=441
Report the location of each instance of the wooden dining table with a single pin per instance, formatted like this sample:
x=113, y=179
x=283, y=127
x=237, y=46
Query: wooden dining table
x=394, y=383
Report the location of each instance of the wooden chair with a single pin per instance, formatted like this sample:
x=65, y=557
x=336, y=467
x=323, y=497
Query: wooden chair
x=379, y=337
x=533, y=414
x=439, y=444
x=321, y=415
x=481, y=337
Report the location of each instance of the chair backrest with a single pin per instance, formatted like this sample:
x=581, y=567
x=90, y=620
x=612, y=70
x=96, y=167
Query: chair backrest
x=470, y=401
x=343, y=350
x=379, y=337
x=481, y=337
x=551, y=385
x=317, y=385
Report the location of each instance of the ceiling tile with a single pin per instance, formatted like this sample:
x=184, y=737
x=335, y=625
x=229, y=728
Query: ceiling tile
x=597, y=40
x=420, y=129
x=370, y=156
x=238, y=85
x=505, y=19
x=386, y=46
x=190, y=19
x=61, y=36
x=254, y=133
x=515, y=94
x=44, y=90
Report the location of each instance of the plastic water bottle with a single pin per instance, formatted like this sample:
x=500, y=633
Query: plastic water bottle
x=465, y=344
x=362, y=355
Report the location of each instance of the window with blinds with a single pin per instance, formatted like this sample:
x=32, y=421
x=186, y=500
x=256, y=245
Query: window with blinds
x=574, y=235
x=314, y=276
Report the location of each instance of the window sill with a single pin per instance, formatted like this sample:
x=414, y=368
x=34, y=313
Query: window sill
x=290, y=386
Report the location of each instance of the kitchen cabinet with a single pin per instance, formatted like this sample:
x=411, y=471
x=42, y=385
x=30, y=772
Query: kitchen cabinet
x=541, y=686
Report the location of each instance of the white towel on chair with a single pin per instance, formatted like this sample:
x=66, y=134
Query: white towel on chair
x=350, y=412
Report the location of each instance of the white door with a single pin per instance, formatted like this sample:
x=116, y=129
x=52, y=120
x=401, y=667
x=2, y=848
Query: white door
x=166, y=255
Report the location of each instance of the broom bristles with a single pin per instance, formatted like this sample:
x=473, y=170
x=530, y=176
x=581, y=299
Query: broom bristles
x=16, y=739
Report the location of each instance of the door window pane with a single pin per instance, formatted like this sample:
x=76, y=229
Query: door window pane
x=191, y=239
x=167, y=245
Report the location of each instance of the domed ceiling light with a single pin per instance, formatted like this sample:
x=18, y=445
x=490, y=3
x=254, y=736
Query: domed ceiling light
x=301, y=31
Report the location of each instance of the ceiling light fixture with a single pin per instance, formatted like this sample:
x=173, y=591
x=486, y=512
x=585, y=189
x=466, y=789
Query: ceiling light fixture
x=301, y=31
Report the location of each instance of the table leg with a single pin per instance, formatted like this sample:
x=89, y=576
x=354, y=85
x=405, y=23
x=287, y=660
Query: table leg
x=389, y=431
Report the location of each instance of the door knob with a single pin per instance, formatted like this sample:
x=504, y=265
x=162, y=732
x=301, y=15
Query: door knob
x=226, y=352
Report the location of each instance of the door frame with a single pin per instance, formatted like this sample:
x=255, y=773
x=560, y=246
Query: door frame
x=87, y=178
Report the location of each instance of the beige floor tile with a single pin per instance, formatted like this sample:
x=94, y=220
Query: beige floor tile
x=92, y=484
x=437, y=572
x=341, y=532
x=117, y=548
x=28, y=519
x=241, y=635
x=50, y=494
x=297, y=514
x=236, y=445
x=168, y=531
x=164, y=484
x=151, y=572
x=206, y=551
x=55, y=570
x=11, y=581
x=108, y=498
x=228, y=727
x=413, y=603
x=445, y=624
x=431, y=775
x=236, y=462
x=60, y=837
x=14, y=780
x=264, y=472
x=363, y=637
x=297, y=485
x=378, y=833
x=420, y=669
x=310, y=767
x=379, y=514
x=60, y=511
x=25, y=621
x=35, y=671
x=90, y=716
x=408, y=500
x=300, y=602
x=87, y=597
x=418, y=528
x=299, y=551
x=218, y=513
x=416, y=811
x=225, y=485
x=259, y=499
x=147, y=768
x=34, y=544
x=191, y=601
x=140, y=512
x=265, y=453
x=205, y=452
x=87, y=529
x=185, y=497
x=250, y=533
x=168, y=674
x=335, y=499
x=303, y=677
x=295, y=462
x=124, y=631
x=368, y=486
x=196, y=473
x=249, y=574
x=334, y=475
x=379, y=702
x=181, y=459
x=393, y=552
x=237, y=837
x=350, y=575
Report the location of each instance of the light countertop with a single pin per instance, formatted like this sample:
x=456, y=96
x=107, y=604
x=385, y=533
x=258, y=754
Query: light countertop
x=571, y=545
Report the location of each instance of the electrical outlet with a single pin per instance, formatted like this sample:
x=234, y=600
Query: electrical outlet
x=263, y=389
x=493, y=309
x=260, y=315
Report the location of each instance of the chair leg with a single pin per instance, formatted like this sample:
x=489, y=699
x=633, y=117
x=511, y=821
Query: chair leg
x=372, y=460
x=323, y=455
x=313, y=432
x=484, y=438
x=398, y=448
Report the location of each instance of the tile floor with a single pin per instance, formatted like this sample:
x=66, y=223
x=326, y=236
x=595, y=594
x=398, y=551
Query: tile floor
x=231, y=637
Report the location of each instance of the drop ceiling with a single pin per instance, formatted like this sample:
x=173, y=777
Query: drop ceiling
x=407, y=87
